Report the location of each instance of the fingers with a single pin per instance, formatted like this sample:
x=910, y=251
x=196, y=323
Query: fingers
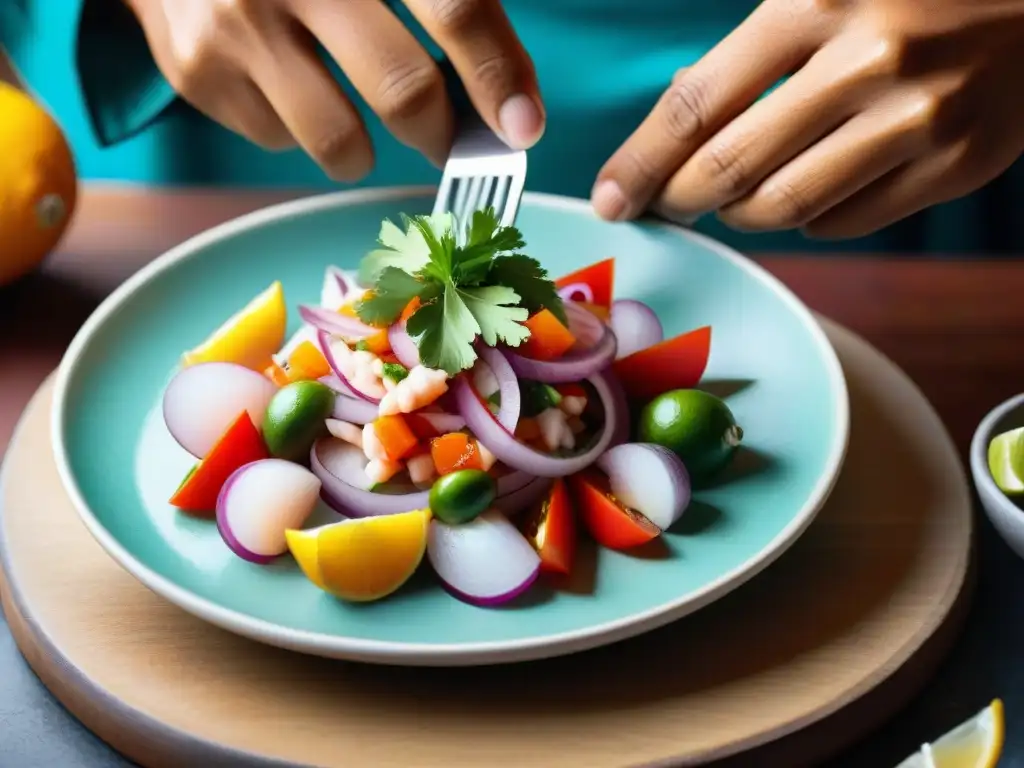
x=498, y=75
x=856, y=154
x=698, y=103
x=394, y=74
x=311, y=104
x=239, y=106
x=764, y=138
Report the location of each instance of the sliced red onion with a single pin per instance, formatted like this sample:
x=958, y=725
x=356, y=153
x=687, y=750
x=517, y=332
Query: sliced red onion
x=577, y=292
x=648, y=478
x=594, y=350
x=522, y=457
x=335, y=323
x=508, y=387
x=341, y=468
x=636, y=326
x=262, y=500
x=336, y=289
x=620, y=406
x=355, y=410
x=403, y=346
x=331, y=348
x=337, y=384
x=203, y=400
x=484, y=562
x=530, y=494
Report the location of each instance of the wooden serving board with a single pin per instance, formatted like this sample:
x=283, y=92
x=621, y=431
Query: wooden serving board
x=805, y=658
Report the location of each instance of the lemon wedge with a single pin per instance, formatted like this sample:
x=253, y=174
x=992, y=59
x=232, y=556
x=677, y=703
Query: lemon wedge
x=976, y=743
x=250, y=336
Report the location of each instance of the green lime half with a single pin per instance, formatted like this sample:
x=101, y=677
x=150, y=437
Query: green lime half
x=295, y=419
x=1006, y=461
x=696, y=425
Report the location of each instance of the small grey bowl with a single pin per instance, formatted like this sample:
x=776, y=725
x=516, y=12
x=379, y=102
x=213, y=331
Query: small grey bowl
x=1005, y=515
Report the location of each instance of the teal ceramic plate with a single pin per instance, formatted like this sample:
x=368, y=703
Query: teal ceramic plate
x=120, y=466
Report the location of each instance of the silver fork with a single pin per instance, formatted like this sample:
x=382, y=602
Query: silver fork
x=481, y=171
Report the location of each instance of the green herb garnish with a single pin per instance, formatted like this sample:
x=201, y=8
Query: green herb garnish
x=469, y=284
x=362, y=346
x=395, y=371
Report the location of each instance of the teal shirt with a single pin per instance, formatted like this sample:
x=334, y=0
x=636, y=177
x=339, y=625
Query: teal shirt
x=602, y=64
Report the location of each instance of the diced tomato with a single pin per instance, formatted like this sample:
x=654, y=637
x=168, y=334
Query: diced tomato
x=395, y=436
x=241, y=444
x=549, y=339
x=277, y=374
x=453, y=452
x=551, y=529
x=307, y=362
x=379, y=343
x=676, y=363
x=600, y=277
x=571, y=390
x=421, y=427
x=613, y=525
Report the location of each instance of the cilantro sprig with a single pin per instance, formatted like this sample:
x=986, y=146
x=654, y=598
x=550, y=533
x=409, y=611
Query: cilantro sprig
x=470, y=284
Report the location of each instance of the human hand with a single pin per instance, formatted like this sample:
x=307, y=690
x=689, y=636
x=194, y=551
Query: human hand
x=252, y=65
x=892, y=106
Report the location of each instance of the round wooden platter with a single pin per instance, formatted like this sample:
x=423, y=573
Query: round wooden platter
x=822, y=646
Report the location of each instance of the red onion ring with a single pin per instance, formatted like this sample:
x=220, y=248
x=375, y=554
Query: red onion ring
x=620, y=402
x=524, y=458
x=352, y=501
x=577, y=292
x=324, y=339
x=354, y=411
x=339, y=386
x=595, y=349
x=403, y=346
x=636, y=326
x=532, y=493
x=337, y=324
x=443, y=423
x=508, y=387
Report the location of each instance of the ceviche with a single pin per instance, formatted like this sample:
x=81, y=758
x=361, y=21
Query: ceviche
x=452, y=404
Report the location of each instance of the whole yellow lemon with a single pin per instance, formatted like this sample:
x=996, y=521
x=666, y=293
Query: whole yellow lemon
x=38, y=184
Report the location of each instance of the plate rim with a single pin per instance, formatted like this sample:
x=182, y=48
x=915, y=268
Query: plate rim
x=436, y=654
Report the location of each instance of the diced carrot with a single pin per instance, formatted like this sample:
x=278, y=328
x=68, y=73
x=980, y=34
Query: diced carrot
x=238, y=446
x=307, y=362
x=410, y=308
x=549, y=339
x=395, y=436
x=277, y=374
x=570, y=390
x=527, y=430
x=453, y=452
x=378, y=343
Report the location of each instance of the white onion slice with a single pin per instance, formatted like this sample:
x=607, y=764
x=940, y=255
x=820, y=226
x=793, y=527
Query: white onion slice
x=594, y=350
x=335, y=290
x=636, y=326
x=485, y=562
x=403, y=346
x=648, y=478
x=204, y=399
x=357, y=411
x=519, y=456
x=262, y=500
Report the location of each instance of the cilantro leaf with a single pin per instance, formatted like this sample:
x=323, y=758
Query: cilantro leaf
x=441, y=250
x=404, y=250
x=530, y=280
x=444, y=331
x=395, y=371
x=495, y=310
x=394, y=290
x=484, y=240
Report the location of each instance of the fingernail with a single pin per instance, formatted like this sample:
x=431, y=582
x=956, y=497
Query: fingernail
x=608, y=200
x=521, y=121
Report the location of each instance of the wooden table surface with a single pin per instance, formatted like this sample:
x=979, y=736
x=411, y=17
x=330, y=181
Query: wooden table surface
x=956, y=327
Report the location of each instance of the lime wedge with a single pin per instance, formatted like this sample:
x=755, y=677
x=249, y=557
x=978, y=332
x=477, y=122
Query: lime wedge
x=1006, y=461
x=976, y=743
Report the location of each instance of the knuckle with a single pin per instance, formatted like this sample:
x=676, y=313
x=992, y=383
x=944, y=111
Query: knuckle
x=457, y=15
x=334, y=149
x=638, y=170
x=686, y=108
x=884, y=58
x=407, y=90
x=494, y=73
x=723, y=165
x=785, y=205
